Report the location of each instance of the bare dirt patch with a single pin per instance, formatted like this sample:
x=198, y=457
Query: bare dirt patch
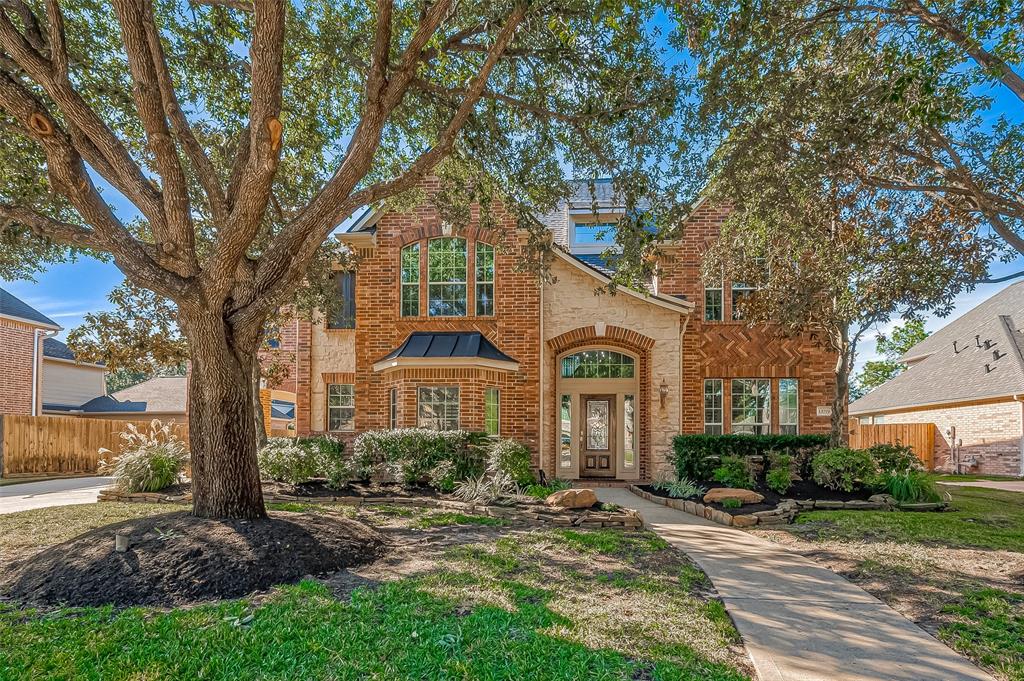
x=176, y=559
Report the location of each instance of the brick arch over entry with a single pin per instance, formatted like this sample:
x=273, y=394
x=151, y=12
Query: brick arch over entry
x=433, y=230
x=614, y=337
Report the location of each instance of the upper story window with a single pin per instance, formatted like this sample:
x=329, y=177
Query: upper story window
x=343, y=316
x=484, y=280
x=597, y=364
x=713, y=303
x=411, y=280
x=592, y=237
x=446, y=277
x=741, y=291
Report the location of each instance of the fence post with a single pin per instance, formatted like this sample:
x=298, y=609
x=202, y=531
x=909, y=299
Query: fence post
x=1, y=445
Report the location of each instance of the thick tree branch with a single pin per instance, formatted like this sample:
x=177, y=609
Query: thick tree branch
x=48, y=228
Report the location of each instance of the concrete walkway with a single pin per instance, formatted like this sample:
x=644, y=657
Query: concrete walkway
x=1005, y=485
x=799, y=621
x=63, y=492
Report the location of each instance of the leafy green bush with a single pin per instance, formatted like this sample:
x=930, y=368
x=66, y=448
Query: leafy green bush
x=298, y=460
x=544, y=491
x=780, y=475
x=148, y=461
x=733, y=472
x=910, y=487
x=895, y=458
x=512, y=458
x=420, y=455
x=694, y=456
x=731, y=503
x=845, y=469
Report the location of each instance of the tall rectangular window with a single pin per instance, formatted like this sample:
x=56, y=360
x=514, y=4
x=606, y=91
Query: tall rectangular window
x=492, y=411
x=446, y=277
x=484, y=279
x=343, y=316
x=341, y=407
x=789, y=406
x=751, y=405
x=393, y=412
x=713, y=406
x=438, y=408
x=411, y=280
x=565, y=432
x=740, y=292
x=713, y=304
x=629, y=429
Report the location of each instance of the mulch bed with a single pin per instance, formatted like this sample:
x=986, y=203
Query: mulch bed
x=319, y=488
x=176, y=559
x=801, y=490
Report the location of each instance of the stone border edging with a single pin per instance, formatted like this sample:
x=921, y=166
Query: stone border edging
x=786, y=511
x=529, y=512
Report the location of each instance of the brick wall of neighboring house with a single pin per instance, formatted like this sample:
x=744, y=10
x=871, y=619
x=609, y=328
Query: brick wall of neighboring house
x=990, y=432
x=731, y=349
x=16, y=339
x=284, y=356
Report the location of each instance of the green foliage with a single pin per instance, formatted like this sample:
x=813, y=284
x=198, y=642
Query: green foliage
x=512, y=458
x=844, y=469
x=731, y=503
x=988, y=626
x=147, y=461
x=910, y=486
x=684, y=488
x=440, y=458
x=894, y=458
x=299, y=460
x=447, y=519
x=733, y=471
x=485, y=488
x=694, y=455
x=544, y=491
x=780, y=474
x=891, y=348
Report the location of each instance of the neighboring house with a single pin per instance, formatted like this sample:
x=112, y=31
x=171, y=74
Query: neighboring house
x=441, y=328
x=38, y=374
x=968, y=380
x=163, y=397
x=68, y=384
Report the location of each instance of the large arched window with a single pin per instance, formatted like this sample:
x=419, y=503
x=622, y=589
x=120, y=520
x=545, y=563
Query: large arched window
x=597, y=364
x=446, y=277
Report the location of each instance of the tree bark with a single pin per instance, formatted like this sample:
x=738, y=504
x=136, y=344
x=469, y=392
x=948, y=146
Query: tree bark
x=222, y=426
x=839, y=436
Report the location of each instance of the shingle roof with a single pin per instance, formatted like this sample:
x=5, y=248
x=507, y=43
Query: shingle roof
x=422, y=344
x=986, y=361
x=10, y=306
x=163, y=394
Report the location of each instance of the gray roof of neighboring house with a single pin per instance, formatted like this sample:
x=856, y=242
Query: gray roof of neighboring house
x=163, y=394
x=58, y=350
x=282, y=409
x=10, y=306
x=987, y=360
x=448, y=344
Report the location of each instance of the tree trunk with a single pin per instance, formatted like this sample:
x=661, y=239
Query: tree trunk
x=839, y=434
x=222, y=427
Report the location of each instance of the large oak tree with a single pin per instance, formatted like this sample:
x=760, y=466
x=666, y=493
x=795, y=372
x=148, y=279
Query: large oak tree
x=240, y=134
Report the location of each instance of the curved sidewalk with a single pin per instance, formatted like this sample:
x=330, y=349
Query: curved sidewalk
x=800, y=621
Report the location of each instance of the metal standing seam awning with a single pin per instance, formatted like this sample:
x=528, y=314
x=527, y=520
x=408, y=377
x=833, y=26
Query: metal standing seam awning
x=447, y=349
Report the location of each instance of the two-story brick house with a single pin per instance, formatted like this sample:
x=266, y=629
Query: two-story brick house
x=440, y=328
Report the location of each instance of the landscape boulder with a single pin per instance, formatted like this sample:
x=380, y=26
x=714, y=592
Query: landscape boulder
x=745, y=496
x=572, y=498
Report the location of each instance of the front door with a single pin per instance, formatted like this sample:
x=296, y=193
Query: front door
x=598, y=445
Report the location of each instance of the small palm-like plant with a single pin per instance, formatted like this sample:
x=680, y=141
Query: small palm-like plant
x=148, y=461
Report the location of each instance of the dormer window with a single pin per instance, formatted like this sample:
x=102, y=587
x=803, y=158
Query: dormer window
x=592, y=237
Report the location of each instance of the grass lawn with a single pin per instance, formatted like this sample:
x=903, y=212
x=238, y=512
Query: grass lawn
x=959, y=574
x=459, y=598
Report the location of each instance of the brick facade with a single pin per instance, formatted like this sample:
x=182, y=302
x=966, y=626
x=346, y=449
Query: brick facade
x=17, y=339
x=535, y=324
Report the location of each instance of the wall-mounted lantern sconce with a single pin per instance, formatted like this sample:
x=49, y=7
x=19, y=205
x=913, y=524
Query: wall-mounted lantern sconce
x=663, y=392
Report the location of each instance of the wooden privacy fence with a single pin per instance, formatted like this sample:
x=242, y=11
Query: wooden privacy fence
x=64, y=445
x=918, y=436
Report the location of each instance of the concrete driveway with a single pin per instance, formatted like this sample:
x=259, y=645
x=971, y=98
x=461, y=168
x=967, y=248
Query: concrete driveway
x=63, y=492
x=1005, y=485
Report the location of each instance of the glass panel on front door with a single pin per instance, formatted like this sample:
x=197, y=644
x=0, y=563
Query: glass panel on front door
x=598, y=436
x=597, y=424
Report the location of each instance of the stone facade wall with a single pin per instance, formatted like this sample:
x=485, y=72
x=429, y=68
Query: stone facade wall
x=732, y=349
x=990, y=432
x=16, y=339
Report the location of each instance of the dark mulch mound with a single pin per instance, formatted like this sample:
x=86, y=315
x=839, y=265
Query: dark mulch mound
x=176, y=559
x=801, y=489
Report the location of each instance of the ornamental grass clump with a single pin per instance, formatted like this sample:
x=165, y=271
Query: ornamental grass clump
x=148, y=461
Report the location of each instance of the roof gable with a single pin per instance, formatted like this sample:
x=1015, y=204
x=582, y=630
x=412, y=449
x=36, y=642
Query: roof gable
x=15, y=308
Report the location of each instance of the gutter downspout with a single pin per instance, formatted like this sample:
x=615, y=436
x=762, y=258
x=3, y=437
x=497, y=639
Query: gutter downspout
x=36, y=359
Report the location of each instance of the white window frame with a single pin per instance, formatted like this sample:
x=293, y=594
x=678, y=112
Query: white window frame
x=497, y=406
x=784, y=420
x=464, y=282
x=588, y=219
x=721, y=302
x=393, y=408
x=720, y=423
x=477, y=281
x=765, y=412
x=432, y=422
x=346, y=404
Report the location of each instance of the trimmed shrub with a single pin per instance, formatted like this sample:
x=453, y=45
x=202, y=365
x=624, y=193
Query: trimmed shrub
x=910, y=487
x=779, y=477
x=733, y=472
x=844, y=469
x=298, y=460
x=439, y=458
x=512, y=458
x=895, y=458
x=148, y=461
x=696, y=456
